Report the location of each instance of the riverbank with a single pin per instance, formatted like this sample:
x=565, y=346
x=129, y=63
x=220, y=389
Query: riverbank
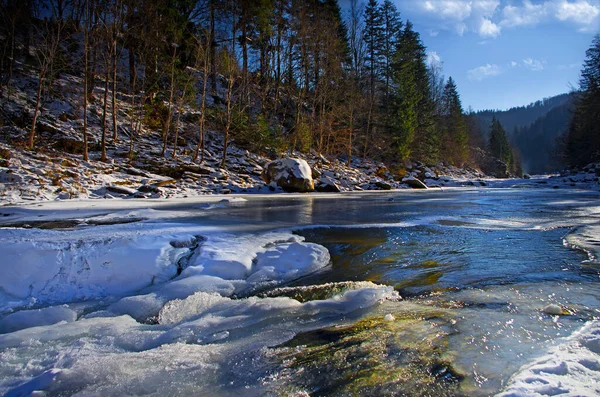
x=53, y=174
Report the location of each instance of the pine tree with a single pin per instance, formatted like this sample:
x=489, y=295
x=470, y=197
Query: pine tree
x=414, y=134
x=498, y=145
x=391, y=27
x=373, y=38
x=454, y=136
x=583, y=140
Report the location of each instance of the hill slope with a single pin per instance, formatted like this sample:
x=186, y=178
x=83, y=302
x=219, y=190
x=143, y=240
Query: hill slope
x=534, y=130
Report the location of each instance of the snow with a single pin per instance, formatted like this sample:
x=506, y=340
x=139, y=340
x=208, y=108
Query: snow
x=572, y=368
x=298, y=167
x=77, y=303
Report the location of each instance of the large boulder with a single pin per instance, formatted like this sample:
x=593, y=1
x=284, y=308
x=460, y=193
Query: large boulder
x=413, y=182
x=292, y=175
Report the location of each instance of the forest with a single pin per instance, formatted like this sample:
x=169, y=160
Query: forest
x=273, y=75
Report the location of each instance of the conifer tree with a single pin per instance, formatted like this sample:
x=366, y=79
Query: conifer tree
x=373, y=38
x=583, y=140
x=414, y=134
x=498, y=145
x=391, y=27
x=454, y=136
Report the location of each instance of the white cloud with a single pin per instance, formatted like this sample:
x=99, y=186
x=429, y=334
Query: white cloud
x=533, y=64
x=486, y=8
x=433, y=58
x=514, y=64
x=527, y=15
x=457, y=10
x=487, y=17
x=462, y=15
x=489, y=28
x=483, y=72
x=580, y=12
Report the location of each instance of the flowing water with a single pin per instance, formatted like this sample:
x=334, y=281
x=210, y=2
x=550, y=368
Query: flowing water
x=481, y=283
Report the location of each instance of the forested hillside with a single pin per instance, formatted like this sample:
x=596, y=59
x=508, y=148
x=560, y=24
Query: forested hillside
x=583, y=138
x=535, y=130
x=522, y=116
x=271, y=75
x=541, y=143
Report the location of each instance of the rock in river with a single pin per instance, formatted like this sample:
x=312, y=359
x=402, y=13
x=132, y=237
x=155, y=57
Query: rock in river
x=292, y=175
x=414, y=183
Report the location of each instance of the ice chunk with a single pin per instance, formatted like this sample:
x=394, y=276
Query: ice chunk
x=389, y=317
x=141, y=307
x=56, y=267
x=553, y=309
x=288, y=261
x=34, y=318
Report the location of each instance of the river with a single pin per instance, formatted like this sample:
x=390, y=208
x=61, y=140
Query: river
x=466, y=292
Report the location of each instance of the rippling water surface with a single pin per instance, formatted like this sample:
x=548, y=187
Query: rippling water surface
x=480, y=274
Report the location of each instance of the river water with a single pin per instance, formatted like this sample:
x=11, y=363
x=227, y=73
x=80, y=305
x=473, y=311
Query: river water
x=423, y=294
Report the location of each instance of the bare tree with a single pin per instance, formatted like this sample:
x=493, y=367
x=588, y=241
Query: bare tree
x=203, y=61
x=117, y=26
x=230, y=67
x=167, y=124
x=49, y=36
x=86, y=47
x=436, y=82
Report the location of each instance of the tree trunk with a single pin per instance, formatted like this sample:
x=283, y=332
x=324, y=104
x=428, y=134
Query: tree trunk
x=134, y=120
x=11, y=63
x=244, y=41
x=114, y=94
x=351, y=130
x=369, y=122
x=176, y=133
x=37, y=108
x=228, y=121
x=85, y=81
x=105, y=107
x=201, y=141
x=213, y=45
x=170, y=109
x=132, y=71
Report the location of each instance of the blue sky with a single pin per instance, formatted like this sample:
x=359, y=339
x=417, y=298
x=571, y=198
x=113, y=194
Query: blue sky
x=505, y=53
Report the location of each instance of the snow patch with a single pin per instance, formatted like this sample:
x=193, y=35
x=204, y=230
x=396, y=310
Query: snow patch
x=571, y=368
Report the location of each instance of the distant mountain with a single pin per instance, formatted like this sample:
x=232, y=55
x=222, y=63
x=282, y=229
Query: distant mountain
x=534, y=130
x=522, y=115
x=539, y=143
